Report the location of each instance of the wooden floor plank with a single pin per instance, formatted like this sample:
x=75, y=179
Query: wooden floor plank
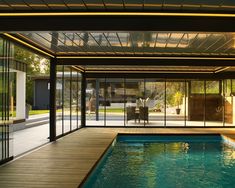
x=66, y=162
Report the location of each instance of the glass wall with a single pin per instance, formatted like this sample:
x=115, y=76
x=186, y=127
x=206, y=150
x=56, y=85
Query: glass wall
x=228, y=89
x=115, y=105
x=159, y=103
x=59, y=99
x=175, y=103
x=135, y=102
x=6, y=149
x=214, y=110
x=196, y=103
x=68, y=99
x=95, y=102
x=155, y=96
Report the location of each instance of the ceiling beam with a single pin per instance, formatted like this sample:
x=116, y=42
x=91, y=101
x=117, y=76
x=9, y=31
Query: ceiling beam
x=148, y=61
x=156, y=76
x=117, y=22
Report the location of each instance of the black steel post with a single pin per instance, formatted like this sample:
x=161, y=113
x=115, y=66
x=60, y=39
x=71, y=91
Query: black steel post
x=165, y=106
x=204, y=103
x=83, y=100
x=52, y=99
x=186, y=98
x=97, y=88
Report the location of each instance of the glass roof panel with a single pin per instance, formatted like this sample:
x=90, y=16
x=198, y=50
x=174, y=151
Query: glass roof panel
x=18, y=5
x=95, y=4
x=40, y=39
x=37, y=4
x=120, y=5
x=134, y=4
x=4, y=6
x=138, y=43
x=114, y=4
x=75, y=4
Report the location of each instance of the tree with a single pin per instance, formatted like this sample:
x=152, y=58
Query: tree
x=37, y=65
x=178, y=99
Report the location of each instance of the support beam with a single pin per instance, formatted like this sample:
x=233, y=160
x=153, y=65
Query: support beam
x=53, y=99
x=97, y=97
x=148, y=61
x=119, y=22
x=225, y=75
x=20, y=95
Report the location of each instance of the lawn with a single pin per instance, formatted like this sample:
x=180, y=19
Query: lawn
x=33, y=112
x=116, y=110
x=37, y=112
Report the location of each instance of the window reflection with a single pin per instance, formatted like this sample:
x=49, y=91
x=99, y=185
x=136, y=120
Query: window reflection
x=152, y=102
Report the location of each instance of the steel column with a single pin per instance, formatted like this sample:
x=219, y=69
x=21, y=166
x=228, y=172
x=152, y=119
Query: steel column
x=53, y=99
x=83, y=100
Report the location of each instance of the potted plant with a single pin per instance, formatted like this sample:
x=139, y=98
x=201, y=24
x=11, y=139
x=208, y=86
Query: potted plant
x=178, y=100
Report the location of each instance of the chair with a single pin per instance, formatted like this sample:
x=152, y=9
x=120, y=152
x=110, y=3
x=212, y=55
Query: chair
x=144, y=113
x=130, y=113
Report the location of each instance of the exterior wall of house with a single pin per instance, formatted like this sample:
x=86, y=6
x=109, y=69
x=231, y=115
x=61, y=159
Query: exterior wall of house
x=41, y=94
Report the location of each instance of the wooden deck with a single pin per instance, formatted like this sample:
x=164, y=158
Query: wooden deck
x=66, y=162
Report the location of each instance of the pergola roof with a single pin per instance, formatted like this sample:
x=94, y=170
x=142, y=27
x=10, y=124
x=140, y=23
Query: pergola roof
x=155, y=33
x=133, y=43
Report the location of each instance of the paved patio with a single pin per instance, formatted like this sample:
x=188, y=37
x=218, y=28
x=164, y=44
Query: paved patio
x=32, y=133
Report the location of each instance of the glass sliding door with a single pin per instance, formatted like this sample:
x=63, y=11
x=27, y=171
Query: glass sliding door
x=59, y=100
x=175, y=103
x=155, y=101
x=67, y=99
x=214, y=110
x=79, y=81
x=6, y=149
x=115, y=102
x=99, y=105
x=136, y=111
x=228, y=101
x=196, y=103
x=95, y=102
x=74, y=99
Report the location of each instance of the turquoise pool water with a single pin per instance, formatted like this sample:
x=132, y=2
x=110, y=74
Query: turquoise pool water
x=166, y=162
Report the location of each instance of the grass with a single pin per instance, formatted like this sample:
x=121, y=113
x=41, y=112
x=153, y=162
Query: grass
x=37, y=112
x=112, y=110
x=32, y=112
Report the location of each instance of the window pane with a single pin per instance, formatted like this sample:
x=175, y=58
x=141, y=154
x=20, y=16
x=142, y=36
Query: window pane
x=79, y=99
x=228, y=103
x=115, y=102
x=175, y=103
x=67, y=97
x=74, y=99
x=214, y=104
x=155, y=101
x=212, y=87
x=197, y=87
x=95, y=102
x=196, y=104
x=136, y=111
x=59, y=100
